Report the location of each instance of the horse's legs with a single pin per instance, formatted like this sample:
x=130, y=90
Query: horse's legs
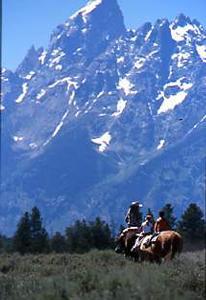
x=155, y=259
x=135, y=255
x=136, y=258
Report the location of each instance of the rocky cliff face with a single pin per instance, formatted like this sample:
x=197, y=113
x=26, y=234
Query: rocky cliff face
x=105, y=115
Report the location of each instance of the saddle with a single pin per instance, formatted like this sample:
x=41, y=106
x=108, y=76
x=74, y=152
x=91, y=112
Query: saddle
x=144, y=241
x=151, y=240
x=141, y=240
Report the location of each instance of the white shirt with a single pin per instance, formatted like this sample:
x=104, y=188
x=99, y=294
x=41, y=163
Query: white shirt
x=146, y=227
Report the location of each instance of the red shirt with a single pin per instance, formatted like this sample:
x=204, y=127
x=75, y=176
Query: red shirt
x=161, y=225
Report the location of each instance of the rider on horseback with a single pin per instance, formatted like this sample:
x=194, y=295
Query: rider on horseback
x=146, y=228
x=161, y=223
x=133, y=216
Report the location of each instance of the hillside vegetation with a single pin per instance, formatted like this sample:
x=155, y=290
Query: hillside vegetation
x=100, y=275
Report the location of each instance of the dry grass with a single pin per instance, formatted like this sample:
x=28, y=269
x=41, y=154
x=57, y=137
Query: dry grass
x=100, y=275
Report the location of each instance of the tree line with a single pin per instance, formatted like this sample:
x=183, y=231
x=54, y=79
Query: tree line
x=32, y=237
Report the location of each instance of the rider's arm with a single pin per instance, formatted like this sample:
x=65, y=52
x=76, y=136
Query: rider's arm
x=127, y=216
x=155, y=227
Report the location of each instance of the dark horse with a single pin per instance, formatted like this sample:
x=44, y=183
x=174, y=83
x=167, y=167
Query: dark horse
x=126, y=240
x=166, y=246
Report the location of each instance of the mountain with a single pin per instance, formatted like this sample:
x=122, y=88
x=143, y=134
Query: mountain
x=103, y=116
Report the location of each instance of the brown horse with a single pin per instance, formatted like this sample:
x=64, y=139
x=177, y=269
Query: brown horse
x=166, y=245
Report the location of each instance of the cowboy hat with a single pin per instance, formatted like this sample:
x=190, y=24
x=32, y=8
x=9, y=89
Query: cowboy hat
x=136, y=203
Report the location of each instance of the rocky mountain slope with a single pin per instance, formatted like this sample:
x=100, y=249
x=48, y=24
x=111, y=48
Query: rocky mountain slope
x=103, y=116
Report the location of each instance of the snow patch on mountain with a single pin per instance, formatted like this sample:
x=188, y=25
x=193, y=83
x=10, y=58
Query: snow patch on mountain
x=58, y=67
x=33, y=146
x=182, y=58
x=121, y=104
x=172, y=101
x=196, y=125
x=100, y=94
x=161, y=144
x=57, y=55
x=23, y=94
x=77, y=113
x=126, y=86
x=42, y=57
x=148, y=34
x=201, y=50
x=150, y=108
x=18, y=138
x=61, y=123
x=30, y=75
x=181, y=33
x=120, y=59
x=86, y=10
x=41, y=94
x=64, y=80
x=71, y=98
x=139, y=63
x=2, y=107
x=59, y=126
x=103, y=141
x=57, y=129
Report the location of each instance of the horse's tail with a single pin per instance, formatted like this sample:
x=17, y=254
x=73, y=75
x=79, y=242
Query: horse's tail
x=176, y=245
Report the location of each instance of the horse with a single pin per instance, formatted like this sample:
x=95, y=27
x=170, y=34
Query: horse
x=165, y=246
x=126, y=240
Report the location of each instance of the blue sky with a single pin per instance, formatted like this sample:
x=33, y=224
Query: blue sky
x=27, y=22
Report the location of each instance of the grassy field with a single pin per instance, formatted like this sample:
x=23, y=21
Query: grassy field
x=100, y=275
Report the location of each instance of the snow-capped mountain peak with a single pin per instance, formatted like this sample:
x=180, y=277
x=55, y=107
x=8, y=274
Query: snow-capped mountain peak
x=98, y=110
x=86, y=10
x=182, y=20
x=183, y=29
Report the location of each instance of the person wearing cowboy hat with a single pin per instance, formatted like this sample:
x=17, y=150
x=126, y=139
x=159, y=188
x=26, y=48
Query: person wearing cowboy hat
x=133, y=217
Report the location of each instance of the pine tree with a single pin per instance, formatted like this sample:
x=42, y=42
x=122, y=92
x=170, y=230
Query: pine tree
x=71, y=241
x=58, y=243
x=168, y=210
x=83, y=236
x=1, y=243
x=7, y=244
x=78, y=237
x=192, y=224
x=23, y=236
x=101, y=234
x=40, y=241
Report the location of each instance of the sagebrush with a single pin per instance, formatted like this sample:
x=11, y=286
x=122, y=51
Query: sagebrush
x=100, y=275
